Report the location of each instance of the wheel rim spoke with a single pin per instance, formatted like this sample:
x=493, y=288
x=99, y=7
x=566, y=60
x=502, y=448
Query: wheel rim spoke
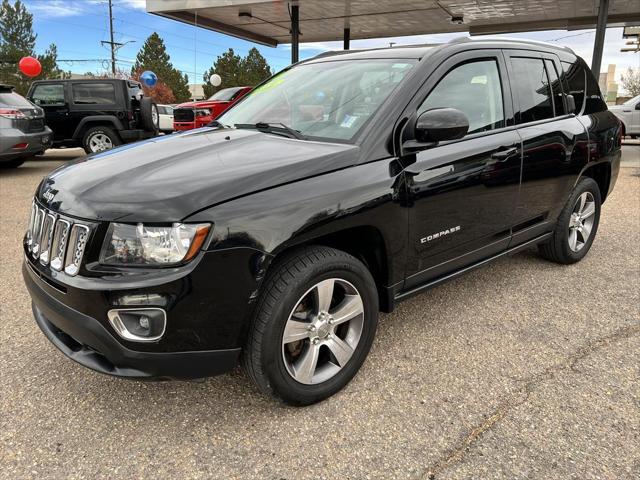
x=589, y=210
x=585, y=231
x=349, y=308
x=295, y=330
x=306, y=366
x=340, y=349
x=573, y=239
x=324, y=294
x=582, y=200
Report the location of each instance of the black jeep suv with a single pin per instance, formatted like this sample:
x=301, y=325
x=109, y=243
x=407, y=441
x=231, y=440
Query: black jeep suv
x=338, y=187
x=97, y=114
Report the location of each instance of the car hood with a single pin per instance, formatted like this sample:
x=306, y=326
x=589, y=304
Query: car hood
x=166, y=179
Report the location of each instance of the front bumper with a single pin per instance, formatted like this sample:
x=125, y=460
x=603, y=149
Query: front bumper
x=207, y=319
x=36, y=143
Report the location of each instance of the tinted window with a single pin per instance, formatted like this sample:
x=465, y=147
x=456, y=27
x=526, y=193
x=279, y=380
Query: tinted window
x=14, y=100
x=474, y=89
x=556, y=88
x=93, y=93
x=531, y=89
x=574, y=76
x=52, y=94
x=594, y=102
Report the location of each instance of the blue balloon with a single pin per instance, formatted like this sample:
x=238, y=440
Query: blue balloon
x=149, y=78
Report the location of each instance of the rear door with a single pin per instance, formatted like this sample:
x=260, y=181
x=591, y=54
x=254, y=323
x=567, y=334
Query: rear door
x=53, y=99
x=555, y=143
x=462, y=193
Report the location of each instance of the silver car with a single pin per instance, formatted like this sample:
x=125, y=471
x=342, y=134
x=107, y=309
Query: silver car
x=23, y=132
x=629, y=115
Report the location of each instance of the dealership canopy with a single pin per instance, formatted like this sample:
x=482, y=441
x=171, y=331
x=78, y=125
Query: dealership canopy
x=272, y=22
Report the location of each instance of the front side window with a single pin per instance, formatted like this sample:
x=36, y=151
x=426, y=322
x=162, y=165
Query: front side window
x=531, y=89
x=93, y=94
x=325, y=100
x=474, y=89
x=48, y=94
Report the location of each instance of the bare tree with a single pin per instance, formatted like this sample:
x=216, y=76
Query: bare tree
x=631, y=81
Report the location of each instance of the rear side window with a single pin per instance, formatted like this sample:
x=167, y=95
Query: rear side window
x=48, y=94
x=93, y=93
x=556, y=88
x=532, y=89
x=594, y=102
x=473, y=88
x=574, y=77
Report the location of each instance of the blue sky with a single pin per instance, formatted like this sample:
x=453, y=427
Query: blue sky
x=78, y=26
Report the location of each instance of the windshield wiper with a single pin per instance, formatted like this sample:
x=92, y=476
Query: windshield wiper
x=273, y=127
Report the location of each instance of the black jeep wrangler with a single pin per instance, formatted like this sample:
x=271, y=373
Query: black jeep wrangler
x=337, y=188
x=97, y=114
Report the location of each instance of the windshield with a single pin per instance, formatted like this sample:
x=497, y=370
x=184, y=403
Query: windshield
x=225, y=94
x=632, y=101
x=328, y=100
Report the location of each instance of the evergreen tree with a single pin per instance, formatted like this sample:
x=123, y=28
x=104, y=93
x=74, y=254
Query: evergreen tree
x=17, y=40
x=49, y=62
x=255, y=68
x=236, y=71
x=153, y=56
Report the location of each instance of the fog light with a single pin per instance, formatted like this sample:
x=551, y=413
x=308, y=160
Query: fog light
x=138, y=324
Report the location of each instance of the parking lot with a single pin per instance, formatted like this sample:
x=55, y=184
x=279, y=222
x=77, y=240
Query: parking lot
x=522, y=369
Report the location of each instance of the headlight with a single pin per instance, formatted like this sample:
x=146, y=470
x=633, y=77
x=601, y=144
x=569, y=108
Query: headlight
x=144, y=245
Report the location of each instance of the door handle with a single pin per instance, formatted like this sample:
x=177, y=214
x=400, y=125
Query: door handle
x=503, y=154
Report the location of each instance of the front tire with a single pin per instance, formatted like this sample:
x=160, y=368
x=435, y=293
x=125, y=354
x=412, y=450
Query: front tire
x=100, y=139
x=577, y=225
x=313, y=326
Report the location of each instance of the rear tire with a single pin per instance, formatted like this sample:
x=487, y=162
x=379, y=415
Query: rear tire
x=298, y=325
x=100, y=139
x=577, y=225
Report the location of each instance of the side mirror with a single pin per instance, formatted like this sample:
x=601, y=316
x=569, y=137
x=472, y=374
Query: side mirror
x=638, y=106
x=571, y=104
x=440, y=124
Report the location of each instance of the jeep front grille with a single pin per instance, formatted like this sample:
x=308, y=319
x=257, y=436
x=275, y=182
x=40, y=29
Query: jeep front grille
x=183, y=115
x=56, y=240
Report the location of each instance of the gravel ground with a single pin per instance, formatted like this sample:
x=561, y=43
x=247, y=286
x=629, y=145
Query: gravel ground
x=522, y=369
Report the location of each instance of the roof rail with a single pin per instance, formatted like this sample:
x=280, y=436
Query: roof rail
x=511, y=40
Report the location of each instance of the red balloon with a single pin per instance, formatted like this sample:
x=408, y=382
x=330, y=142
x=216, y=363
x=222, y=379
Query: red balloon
x=30, y=66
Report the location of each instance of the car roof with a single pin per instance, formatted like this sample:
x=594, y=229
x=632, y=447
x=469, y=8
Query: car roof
x=420, y=51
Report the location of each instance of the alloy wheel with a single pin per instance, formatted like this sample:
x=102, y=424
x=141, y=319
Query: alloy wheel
x=581, y=221
x=100, y=142
x=323, y=331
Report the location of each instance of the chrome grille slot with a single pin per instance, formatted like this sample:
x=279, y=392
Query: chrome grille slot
x=59, y=243
x=32, y=217
x=56, y=240
x=77, y=243
x=45, y=240
x=37, y=230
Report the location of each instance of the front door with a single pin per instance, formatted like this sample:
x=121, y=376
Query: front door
x=52, y=98
x=462, y=193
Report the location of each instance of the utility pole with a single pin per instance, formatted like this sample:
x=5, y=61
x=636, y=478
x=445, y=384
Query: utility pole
x=114, y=45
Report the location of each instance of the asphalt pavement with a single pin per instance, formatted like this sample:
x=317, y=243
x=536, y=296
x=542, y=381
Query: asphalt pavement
x=522, y=369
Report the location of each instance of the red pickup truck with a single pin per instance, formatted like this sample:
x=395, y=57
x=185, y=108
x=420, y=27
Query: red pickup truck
x=190, y=115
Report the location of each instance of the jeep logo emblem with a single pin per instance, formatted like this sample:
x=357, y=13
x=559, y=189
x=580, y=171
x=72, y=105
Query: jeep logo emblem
x=48, y=195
